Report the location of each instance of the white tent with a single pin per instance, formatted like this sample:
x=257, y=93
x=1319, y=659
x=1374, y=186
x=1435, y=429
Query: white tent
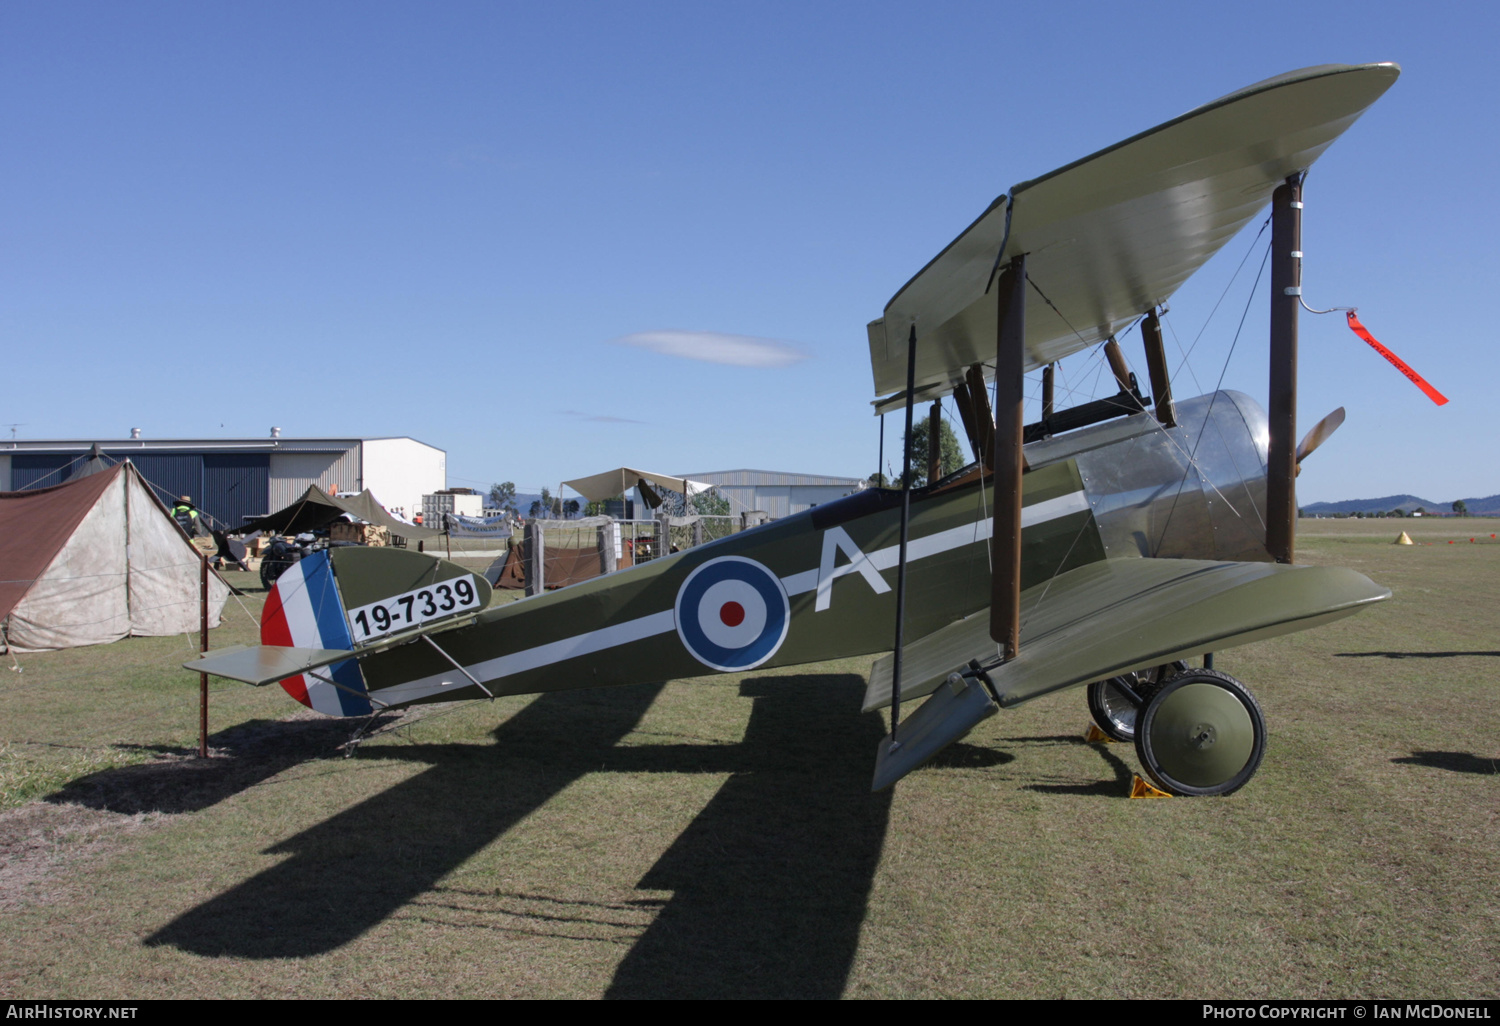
x=94, y=560
x=607, y=485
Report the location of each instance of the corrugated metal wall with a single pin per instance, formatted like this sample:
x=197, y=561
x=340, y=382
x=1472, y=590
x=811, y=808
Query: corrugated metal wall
x=774, y=499
x=292, y=472
x=763, y=478
x=235, y=486
x=29, y=470
x=172, y=475
x=779, y=494
x=807, y=496
x=226, y=486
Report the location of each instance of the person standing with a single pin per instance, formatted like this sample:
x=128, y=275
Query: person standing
x=186, y=515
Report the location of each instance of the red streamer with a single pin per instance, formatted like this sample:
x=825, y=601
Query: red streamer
x=1396, y=361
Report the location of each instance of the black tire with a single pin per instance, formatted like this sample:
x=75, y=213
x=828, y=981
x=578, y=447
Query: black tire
x=1113, y=711
x=270, y=569
x=1201, y=733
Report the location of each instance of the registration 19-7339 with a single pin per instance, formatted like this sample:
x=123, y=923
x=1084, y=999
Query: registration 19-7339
x=413, y=608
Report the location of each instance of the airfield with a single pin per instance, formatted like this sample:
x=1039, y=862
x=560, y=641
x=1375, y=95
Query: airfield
x=716, y=837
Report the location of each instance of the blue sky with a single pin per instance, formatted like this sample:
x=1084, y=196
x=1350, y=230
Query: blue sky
x=440, y=220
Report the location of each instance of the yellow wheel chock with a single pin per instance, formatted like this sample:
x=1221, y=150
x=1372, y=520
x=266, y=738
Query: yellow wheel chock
x=1142, y=789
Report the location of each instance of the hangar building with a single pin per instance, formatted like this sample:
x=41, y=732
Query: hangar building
x=776, y=493
x=234, y=478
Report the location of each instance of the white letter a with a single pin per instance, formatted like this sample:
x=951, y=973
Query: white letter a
x=836, y=540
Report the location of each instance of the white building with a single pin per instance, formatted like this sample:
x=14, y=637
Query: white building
x=465, y=502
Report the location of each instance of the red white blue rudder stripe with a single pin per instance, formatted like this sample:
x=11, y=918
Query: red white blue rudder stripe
x=304, y=611
x=732, y=613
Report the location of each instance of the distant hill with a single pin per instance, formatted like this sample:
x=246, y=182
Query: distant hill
x=1487, y=506
x=1384, y=504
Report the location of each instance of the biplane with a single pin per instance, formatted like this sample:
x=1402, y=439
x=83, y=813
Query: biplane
x=1103, y=546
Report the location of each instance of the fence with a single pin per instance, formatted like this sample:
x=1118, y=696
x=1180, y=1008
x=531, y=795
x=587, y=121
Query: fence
x=556, y=553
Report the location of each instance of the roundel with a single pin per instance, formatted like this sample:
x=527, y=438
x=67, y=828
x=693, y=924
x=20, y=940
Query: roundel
x=732, y=613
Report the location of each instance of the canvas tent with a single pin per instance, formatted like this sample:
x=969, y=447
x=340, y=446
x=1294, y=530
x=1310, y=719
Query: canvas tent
x=317, y=509
x=94, y=464
x=600, y=487
x=96, y=560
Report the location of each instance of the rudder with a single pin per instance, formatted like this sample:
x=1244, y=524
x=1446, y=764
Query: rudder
x=304, y=610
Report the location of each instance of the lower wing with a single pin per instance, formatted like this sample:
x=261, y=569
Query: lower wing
x=1095, y=622
x=1118, y=615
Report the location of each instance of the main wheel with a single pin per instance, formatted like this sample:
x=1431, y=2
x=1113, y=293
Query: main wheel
x=1201, y=733
x=1113, y=710
x=270, y=569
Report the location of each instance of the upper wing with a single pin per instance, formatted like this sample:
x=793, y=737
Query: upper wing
x=1117, y=615
x=1113, y=235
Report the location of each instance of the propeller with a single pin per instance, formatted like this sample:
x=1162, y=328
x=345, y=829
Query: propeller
x=1319, y=434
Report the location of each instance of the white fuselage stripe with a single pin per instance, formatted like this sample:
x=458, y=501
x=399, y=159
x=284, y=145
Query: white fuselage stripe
x=533, y=658
x=302, y=621
x=665, y=622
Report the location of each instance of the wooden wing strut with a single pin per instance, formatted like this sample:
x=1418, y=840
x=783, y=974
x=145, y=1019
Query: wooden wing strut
x=1009, y=462
x=1156, y=366
x=1286, y=294
x=984, y=418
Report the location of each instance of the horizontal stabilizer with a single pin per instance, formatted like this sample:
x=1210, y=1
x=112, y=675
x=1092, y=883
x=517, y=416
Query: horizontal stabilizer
x=956, y=708
x=264, y=664
x=1117, y=615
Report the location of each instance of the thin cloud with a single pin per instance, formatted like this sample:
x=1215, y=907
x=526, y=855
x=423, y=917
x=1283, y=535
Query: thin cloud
x=717, y=347
x=600, y=418
x=469, y=158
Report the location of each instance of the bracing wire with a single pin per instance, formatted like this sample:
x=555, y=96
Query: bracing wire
x=1192, y=457
x=1099, y=363
x=1232, y=278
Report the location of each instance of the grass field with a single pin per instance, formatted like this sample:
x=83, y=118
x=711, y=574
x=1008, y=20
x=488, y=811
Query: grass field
x=716, y=837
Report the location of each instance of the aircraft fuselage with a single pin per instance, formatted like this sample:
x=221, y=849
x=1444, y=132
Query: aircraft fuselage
x=820, y=584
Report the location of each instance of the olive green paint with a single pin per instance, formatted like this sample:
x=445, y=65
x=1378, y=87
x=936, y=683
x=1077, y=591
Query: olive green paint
x=942, y=588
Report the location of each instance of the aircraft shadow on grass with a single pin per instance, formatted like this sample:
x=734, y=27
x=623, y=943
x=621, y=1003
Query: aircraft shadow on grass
x=768, y=884
x=1411, y=655
x=1456, y=762
x=1115, y=788
x=254, y=752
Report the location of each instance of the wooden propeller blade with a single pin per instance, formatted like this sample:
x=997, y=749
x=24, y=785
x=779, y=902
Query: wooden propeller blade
x=1320, y=433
